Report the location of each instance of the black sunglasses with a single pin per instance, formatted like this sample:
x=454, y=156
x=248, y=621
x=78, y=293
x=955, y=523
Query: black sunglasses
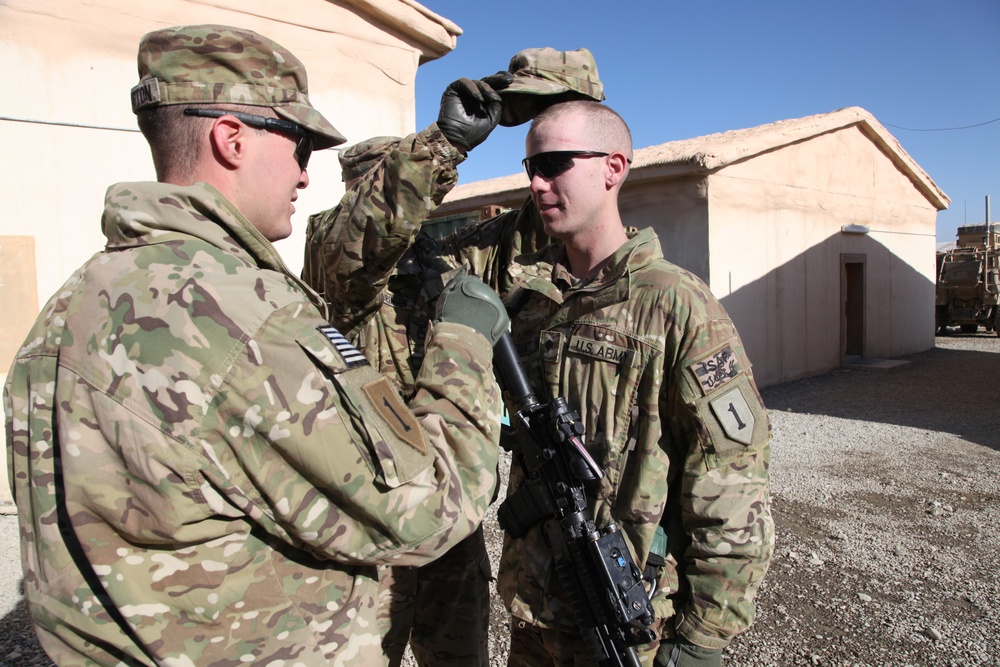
x=553, y=163
x=304, y=147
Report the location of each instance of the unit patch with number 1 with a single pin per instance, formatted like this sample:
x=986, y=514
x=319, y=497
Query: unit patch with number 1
x=728, y=405
x=734, y=415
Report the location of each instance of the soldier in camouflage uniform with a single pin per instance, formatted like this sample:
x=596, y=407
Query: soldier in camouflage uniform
x=441, y=609
x=383, y=300
x=206, y=472
x=656, y=369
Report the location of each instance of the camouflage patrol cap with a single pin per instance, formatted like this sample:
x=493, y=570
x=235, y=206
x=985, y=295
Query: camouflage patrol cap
x=543, y=77
x=359, y=159
x=202, y=64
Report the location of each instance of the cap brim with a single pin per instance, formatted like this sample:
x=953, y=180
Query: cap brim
x=522, y=85
x=520, y=107
x=327, y=135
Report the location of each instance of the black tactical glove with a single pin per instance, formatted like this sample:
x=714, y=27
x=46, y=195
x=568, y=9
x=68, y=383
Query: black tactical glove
x=471, y=109
x=498, y=81
x=682, y=653
x=467, y=300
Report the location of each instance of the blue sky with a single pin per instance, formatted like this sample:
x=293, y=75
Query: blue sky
x=676, y=70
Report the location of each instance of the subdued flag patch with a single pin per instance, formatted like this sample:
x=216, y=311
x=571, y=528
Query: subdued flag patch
x=716, y=369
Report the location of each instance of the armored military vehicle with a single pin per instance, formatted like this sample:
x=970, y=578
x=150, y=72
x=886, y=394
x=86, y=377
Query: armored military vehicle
x=968, y=281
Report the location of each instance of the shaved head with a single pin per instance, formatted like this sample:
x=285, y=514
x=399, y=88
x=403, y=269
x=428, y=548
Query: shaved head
x=603, y=129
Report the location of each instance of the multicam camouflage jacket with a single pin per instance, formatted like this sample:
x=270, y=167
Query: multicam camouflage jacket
x=657, y=371
x=657, y=366
x=381, y=274
x=205, y=472
x=352, y=249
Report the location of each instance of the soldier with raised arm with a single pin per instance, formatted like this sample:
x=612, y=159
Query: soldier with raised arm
x=382, y=292
x=206, y=471
x=656, y=368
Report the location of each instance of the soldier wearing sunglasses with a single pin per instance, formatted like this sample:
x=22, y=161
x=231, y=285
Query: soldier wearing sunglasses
x=206, y=472
x=658, y=372
x=381, y=277
x=655, y=367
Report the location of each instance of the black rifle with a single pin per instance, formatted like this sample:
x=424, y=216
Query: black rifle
x=599, y=578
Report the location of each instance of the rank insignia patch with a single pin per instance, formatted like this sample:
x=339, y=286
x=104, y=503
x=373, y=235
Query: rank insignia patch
x=716, y=369
x=348, y=352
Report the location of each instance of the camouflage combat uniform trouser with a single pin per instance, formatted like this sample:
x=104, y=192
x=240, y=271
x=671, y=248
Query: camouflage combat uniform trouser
x=531, y=646
x=442, y=609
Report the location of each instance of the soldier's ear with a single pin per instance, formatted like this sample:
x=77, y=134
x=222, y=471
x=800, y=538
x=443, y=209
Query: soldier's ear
x=618, y=164
x=229, y=141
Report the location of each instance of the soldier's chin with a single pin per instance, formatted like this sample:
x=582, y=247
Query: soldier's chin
x=554, y=229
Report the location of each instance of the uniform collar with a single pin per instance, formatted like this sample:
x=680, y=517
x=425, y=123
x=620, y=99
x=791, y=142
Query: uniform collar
x=152, y=213
x=149, y=213
x=550, y=266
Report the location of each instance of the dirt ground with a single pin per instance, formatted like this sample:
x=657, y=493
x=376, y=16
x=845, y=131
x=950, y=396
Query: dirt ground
x=886, y=501
x=886, y=498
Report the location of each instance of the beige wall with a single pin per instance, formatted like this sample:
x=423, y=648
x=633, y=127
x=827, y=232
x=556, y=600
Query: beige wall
x=765, y=234
x=677, y=209
x=68, y=132
x=74, y=64
x=776, y=247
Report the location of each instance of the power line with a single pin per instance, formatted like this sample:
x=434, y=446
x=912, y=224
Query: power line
x=63, y=124
x=941, y=129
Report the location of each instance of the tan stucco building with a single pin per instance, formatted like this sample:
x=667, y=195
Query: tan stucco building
x=68, y=132
x=760, y=214
x=817, y=234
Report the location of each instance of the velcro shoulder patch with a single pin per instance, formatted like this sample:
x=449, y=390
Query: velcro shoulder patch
x=734, y=415
x=391, y=408
x=716, y=369
x=350, y=354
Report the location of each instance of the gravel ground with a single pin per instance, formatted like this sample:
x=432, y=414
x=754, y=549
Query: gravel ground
x=886, y=491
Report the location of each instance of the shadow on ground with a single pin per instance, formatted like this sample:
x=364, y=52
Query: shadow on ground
x=18, y=645
x=947, y=390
